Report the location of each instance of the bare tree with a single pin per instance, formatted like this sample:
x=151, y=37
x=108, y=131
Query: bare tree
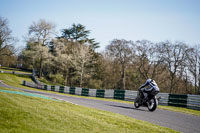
x=39, y=34
x=121, y=51
x=42, y=31
x=6, y=39
x=148, y=59
x=193, y=58
x=174, y=57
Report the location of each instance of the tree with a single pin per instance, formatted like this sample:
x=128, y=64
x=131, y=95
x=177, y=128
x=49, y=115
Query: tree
x=78, y=33
x=73, y=59
x=41, y=31
x=6, y=40
x=174, y=55
x=61, y=58
x=38, y=54
x=193, y=58
x=120, y=51
x=81, y=59
x=110, y=72
x=40, y=34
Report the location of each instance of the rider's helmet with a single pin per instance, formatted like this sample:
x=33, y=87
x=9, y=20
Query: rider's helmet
x=149, y=81
x=152, y=82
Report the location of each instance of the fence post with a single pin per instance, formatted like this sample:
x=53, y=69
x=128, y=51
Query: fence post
x=24, y=82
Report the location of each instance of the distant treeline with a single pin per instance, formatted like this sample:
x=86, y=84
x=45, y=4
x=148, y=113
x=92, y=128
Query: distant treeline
x=71, y=59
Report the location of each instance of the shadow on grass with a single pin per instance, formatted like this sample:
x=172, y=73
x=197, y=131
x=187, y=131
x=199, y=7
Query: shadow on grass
x=16, y=69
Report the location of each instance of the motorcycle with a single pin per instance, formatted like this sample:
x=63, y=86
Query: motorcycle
x=151, y=102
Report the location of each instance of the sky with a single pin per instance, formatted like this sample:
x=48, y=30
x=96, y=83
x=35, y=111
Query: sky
x=154, y=20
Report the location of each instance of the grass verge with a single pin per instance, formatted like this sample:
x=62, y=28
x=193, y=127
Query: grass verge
x=179, y=109
x=22, y=114
x=16, y=81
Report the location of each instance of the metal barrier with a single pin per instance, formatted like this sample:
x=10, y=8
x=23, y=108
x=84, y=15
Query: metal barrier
x=193, y=102
x=187, y=101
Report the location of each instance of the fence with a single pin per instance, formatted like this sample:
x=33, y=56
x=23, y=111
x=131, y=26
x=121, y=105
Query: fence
x=187, y=101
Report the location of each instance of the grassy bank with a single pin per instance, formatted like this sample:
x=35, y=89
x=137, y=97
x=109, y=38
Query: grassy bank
x=14, y=80
x=21, y=114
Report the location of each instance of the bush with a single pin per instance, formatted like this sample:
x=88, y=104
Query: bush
x=57, y=78
x=96, y=84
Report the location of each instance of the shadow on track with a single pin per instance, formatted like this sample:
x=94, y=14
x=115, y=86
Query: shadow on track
x=125, y=107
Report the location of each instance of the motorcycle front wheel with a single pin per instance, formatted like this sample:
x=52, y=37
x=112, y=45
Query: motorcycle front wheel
x=136, y=103
x=152, y=104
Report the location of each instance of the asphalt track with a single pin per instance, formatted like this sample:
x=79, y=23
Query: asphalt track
x=178, y=121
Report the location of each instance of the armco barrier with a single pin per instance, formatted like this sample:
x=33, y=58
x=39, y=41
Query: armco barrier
x=78, y=91
x=177, y=100
x=164, y=98
x=92, y=92
x=109, y=94
x=52, y=88
x=100, y=93
x=187, y=101
x=67, y=89
x=85, y=92
x=45, y=87
x=61, y=89
x=193, y=102
x=130, y=95
x=72, y=90
x=57, y=88
x=119, y=94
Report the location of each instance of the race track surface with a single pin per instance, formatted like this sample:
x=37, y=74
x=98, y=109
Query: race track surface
x=178, y=121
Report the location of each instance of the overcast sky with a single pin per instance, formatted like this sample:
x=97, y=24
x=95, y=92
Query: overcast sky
x=154, y=20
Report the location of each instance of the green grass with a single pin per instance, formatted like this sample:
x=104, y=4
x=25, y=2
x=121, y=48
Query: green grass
x=16, y=81
x=22, y=114
x=182, y=110
x=14, y=69
x=44, y=81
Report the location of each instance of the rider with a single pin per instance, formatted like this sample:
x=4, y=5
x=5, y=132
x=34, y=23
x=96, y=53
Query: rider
x=152, y=86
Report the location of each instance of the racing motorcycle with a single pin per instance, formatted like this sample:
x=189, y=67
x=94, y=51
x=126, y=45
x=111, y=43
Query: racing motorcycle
x=151, y=102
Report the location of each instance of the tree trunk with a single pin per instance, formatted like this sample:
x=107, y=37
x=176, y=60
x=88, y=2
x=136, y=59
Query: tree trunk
x=69, y=77
x=186, y=83
x=172, y=84
x=65, y=77
x=81, y=76
x=199, y=79
x=123, y=76
x=40, y=74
